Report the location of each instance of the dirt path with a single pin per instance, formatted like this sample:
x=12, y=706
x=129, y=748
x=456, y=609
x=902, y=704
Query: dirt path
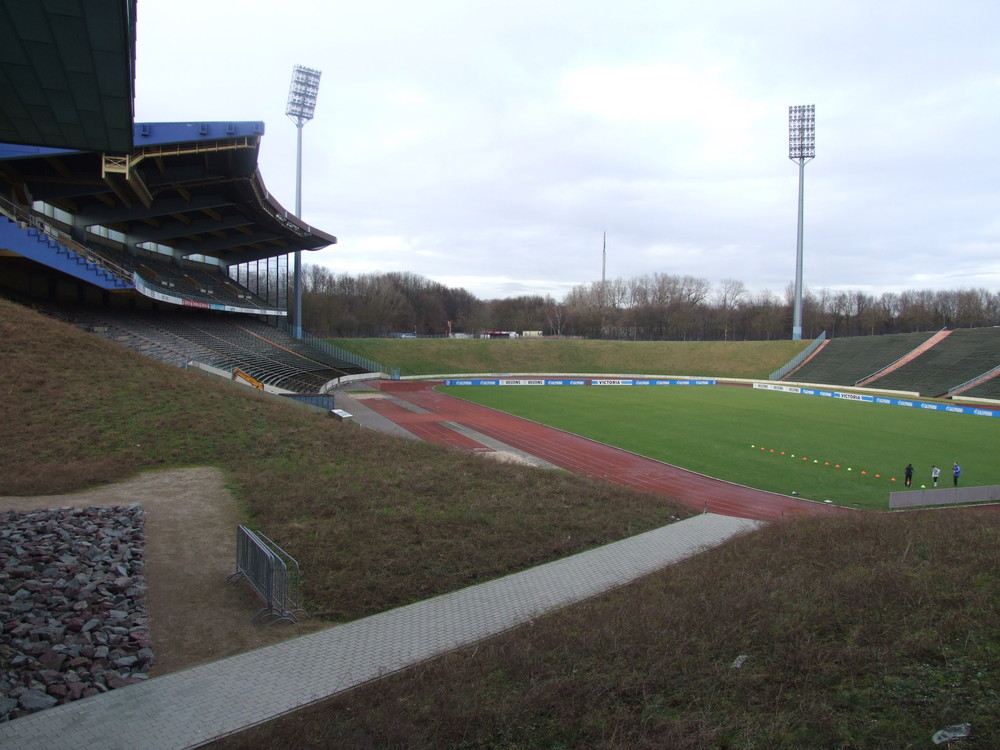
x=195, y=616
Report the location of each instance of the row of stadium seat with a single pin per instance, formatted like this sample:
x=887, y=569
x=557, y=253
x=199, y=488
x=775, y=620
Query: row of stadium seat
x=845, y=361
x=189, y=281
x=961, y=356
x=225, y=341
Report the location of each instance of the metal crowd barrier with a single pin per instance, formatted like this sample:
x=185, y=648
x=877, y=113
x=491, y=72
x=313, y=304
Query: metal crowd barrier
x=273, y=573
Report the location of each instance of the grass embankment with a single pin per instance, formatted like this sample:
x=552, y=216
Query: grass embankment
x=849, y=452
x=859, y=630
x=733, y=359
x=375, y=521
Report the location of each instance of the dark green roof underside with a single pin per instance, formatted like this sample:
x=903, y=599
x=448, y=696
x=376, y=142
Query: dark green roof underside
x=67, y=73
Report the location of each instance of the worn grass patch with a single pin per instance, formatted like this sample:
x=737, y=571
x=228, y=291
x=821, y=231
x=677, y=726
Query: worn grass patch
x=821, y=448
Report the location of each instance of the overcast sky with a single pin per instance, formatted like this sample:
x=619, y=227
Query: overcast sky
x=490, y=144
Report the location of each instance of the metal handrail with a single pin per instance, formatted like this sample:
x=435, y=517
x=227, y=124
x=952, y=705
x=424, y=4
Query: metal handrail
x=981, y=377
x=798, y=359
x=17, y=213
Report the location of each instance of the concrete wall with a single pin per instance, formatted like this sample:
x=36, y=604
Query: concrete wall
x=944, y=495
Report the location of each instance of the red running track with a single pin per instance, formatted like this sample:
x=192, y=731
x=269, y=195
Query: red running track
x=577, y=454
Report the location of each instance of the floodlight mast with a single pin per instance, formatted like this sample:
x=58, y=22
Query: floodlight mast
x=801, y=149
x=301, y=106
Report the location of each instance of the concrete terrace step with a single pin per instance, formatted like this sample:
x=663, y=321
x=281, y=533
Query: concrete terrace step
x=194, y=706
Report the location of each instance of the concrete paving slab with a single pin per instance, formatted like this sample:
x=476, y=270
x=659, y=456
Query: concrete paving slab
x=366, y=417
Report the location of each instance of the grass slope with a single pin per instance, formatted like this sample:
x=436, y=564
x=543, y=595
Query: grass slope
x=859, y=631
x=733, y=359
x=375, y=521
x=864, y=630
x=798, y=441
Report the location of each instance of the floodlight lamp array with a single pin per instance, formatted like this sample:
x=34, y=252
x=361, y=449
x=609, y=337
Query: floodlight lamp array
x=802, y=132
x=303, y=92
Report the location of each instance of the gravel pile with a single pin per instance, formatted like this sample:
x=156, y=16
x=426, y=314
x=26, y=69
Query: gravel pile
x=73, y=617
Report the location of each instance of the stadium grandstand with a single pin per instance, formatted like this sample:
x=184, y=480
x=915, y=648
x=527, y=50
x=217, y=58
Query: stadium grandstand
x=848, y=360
x=162, y=236
x=947, y=364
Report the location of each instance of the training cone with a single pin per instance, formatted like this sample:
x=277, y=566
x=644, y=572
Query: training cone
x=863, y=471
x=923, y=486
x=848, y=468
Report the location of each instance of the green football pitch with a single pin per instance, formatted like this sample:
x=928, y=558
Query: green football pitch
x=844, y=451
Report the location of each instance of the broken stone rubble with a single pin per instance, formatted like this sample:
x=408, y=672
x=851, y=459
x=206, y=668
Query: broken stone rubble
x=73, y=619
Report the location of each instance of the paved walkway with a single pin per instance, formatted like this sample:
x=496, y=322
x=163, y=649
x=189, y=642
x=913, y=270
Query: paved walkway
x=195, y=706
x=353, y=401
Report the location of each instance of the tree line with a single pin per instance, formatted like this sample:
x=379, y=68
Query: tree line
x=654, y=307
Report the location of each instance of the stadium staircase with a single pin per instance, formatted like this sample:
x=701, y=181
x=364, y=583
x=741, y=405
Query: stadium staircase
x=907, y=358
x=61, y=253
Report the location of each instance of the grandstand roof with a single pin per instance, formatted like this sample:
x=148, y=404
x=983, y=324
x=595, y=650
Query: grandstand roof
x=67, y=85
x=67, y=73
x=191, y=186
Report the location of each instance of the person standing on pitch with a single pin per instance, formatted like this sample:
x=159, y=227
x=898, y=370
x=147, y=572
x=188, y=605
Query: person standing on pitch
x=956, y=472
x=935, y=473
x=908, y=473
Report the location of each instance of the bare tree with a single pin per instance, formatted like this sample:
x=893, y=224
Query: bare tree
x=555, y=316
x=727, y=299
x=655, y=306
